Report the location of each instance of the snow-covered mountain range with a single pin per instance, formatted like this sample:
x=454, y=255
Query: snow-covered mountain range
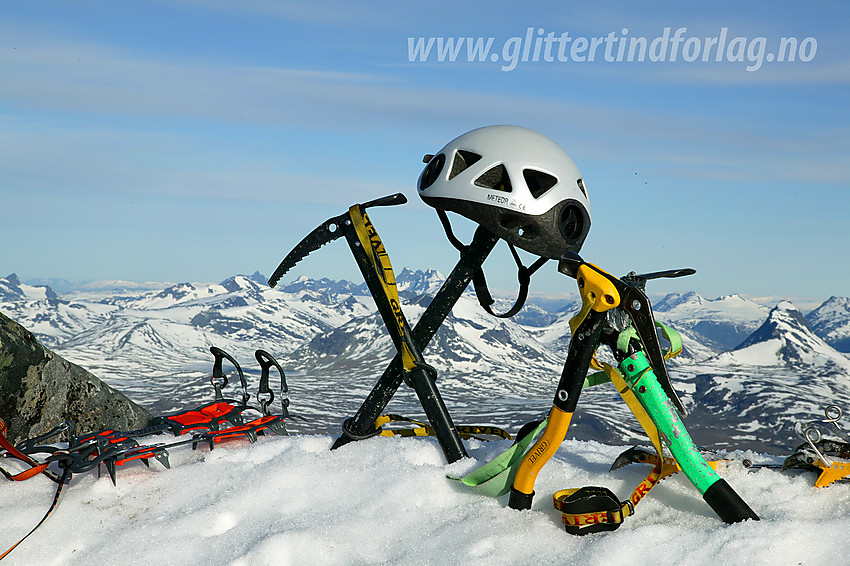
x=748, y=374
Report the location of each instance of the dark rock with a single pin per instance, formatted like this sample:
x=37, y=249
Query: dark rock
x=40, y=389
x=219, y=323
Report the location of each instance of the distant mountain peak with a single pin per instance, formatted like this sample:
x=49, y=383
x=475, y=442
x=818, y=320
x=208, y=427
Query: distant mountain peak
x=785, y=337
x=783, y=321
x=419, y=282
x=786, y=306
x=10, y=288
x=323, y=285
x=177, y=291
x=831, y=321
x=258, y=277
x=243, y=283
x=673, y=300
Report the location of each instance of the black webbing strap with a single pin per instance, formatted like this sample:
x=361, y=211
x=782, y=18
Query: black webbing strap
x=523, y=275
x=447, y=228
x=479, y=282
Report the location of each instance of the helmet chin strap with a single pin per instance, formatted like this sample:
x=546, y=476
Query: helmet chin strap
x=479, y=282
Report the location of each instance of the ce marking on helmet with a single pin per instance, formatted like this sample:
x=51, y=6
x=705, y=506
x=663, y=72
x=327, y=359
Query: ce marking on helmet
x=498, y=199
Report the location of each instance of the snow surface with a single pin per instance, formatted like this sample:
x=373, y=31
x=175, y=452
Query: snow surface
x=290, y=500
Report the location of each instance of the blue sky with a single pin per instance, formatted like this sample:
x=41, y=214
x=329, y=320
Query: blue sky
x=191, y=140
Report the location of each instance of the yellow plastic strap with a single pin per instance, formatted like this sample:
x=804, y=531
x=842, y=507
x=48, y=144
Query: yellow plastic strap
x=635, y=407
x=380, y=261
x=663, y=466
x=670, y=465
x=590, y=517
x=478, y=432
x=627, y=507
x=666, y=466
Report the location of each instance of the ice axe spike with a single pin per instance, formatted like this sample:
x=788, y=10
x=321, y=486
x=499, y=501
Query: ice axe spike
x=327, y=231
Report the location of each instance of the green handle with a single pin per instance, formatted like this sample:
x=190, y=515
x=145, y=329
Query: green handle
x=715, y=491
x=642, y=380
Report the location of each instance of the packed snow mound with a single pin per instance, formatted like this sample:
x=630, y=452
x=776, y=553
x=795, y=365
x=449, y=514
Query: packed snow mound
x=785, y=338
x=290, y=500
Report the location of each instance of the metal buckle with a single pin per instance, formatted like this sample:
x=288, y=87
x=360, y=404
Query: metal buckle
x=623, y=516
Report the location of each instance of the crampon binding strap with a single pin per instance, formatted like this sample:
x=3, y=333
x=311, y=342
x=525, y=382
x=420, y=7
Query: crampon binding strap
x=209, y=424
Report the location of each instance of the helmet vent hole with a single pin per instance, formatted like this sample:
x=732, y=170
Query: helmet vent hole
x=580, y=184
x=527, y=232
x=462, y=160
x=495, y=178
x=571, y=223
x=432, y=171
x=538, y=182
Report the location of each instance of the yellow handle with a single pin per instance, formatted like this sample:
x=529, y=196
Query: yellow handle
x=543, y=449
x=380, y=260
x=597, y=292
x=596, y=283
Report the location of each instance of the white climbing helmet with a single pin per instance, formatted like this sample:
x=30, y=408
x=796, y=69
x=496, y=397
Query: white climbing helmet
x=516, y=183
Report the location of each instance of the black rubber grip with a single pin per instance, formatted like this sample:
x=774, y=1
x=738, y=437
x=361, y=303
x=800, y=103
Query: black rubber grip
x=727, y=504
x=520, y=500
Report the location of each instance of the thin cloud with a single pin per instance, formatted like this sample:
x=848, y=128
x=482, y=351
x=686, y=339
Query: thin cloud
x=118, y=162
x=735, y=74
x=325, y=13
x=81, y=77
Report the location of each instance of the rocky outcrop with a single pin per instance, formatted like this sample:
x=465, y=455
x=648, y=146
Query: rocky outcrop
x=39, y=389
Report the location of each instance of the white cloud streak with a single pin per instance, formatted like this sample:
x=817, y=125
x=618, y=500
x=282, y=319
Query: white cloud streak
x=70, y=76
